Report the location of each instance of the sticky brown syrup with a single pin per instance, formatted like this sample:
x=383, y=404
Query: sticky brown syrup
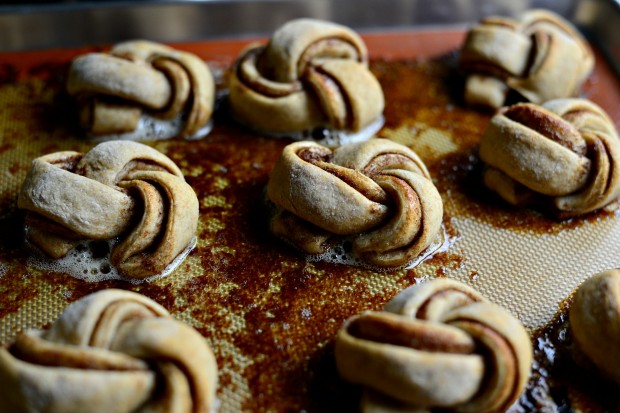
x=562, y=380
x=280, y=312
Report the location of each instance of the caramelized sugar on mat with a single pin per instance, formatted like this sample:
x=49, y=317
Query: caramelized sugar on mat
x=269, y=315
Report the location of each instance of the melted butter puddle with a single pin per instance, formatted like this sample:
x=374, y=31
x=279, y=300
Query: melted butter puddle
x=342, y=253
x=331, y=138
x=151, y=128
x=90, y=261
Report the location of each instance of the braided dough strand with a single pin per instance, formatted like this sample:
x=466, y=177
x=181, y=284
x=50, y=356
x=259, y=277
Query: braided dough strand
x=540, y=56
x=436, y=345
x=311, y=74
x=564, y=153
x=377, y=192
x=117, y=189
x=113, y=88
x=112, y=351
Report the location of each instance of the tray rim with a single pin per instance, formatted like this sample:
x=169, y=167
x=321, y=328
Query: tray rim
x=83, y=23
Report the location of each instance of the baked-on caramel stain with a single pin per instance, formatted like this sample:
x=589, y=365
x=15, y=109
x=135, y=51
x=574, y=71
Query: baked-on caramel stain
x=562, y=380
x=269, y=315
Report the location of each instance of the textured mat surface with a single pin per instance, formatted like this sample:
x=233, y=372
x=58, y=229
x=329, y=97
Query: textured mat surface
x=269, y=314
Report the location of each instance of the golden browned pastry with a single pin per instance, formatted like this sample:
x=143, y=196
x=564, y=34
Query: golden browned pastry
x=565, y=153
x=113, y=89
x=439, y=344
x=540, y=56
x=311, y=74
x=595, y=322
x=117, y=189
x=113, y=351
x=378, y=193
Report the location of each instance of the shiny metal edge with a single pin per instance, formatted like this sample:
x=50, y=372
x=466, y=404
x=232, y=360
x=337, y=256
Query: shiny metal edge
x=79, y=23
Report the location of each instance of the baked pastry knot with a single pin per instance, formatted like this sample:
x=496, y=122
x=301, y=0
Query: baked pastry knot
x=113, y=89
x=595, y=322
x=436, y=345
x=377, y=193
x=112, y=351
x=564, y=154
x=540, y=56
x=311, y=74
x=117, y=189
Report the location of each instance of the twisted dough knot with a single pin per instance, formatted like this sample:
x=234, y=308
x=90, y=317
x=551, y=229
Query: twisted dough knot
x=595, y=322
x=540, y=56
x=113, y=88
x=311, y=74
x=565, y=152
x=118, y=188
x=112, y=351
x=378, y=192
x=436, y=345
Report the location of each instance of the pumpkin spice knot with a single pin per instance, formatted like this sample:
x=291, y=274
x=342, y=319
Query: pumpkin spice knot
x=378, y=194
x=111, y=351
x=114, y=89
x=436, y=345
x=595, y=323
x=118, y=189
x=311, y=74
x=563, y=156
x=536, y=58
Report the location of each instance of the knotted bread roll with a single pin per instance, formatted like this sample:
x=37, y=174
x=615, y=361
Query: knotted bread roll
x=311, y=74
x=436, y=345
x=541, y=56
x=117, y=189
x=114, y=88
x=595, y=322
x=565, y=153
x=113, y=351
x=378, y=193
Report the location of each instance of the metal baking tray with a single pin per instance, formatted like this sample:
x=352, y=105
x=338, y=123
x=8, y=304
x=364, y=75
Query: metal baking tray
x=47, y=27
x=78, y=23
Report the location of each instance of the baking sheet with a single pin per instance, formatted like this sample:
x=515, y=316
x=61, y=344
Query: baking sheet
x=269, y=314
x=76, y=23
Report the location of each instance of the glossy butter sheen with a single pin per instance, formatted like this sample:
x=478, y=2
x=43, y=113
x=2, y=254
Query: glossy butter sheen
x=269, y=315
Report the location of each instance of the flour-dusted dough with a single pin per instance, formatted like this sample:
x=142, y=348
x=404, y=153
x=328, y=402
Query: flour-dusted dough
x=540, y=56
x=439, y=344
x=311, y=74
x=378, y=192
x=113, y=89
x=564, y=154
x=113, y=351
x=595, y=322
x=118, y=188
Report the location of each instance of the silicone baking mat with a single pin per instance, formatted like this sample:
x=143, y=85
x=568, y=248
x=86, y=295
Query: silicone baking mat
x=269, y=314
